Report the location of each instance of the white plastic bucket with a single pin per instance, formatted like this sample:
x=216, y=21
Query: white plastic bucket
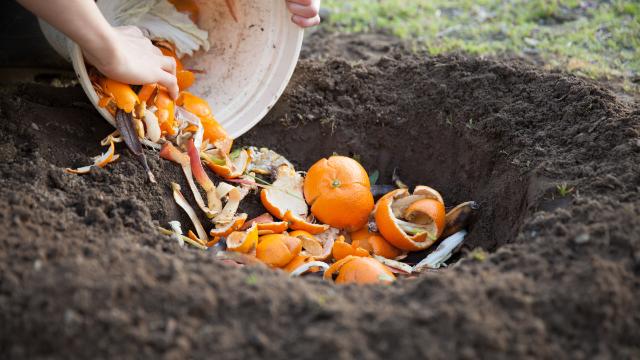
x=247, y=68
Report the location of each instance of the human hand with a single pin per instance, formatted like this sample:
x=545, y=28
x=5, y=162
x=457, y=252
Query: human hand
x=129, y=57
x=305, y=13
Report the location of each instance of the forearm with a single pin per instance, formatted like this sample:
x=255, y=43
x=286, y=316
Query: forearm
x=80, y=20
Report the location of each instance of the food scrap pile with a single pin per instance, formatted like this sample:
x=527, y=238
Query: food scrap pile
x=325, y=221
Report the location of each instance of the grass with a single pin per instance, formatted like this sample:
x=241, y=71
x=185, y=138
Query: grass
x=597, y=39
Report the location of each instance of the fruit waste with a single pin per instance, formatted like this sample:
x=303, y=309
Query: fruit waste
x=324, y=221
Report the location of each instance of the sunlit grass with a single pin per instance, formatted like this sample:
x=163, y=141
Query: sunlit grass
x=593, y=38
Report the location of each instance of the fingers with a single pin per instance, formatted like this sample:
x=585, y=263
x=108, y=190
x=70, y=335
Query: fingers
x=170, y=82
x=306, y=10
x=168, y=64
x=304, y=22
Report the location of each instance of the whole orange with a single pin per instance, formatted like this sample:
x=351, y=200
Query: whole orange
x=338, y=191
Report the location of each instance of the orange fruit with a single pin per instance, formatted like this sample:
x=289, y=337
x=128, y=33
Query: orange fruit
x=277, y=250
x=374, y=243
x=243, y=241
x=338, y=191
x=391, y=209
x=216, y=134
x=359, y=270
x=188, y=7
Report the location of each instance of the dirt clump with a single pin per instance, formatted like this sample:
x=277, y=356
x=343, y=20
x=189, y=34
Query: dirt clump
x=550, y=268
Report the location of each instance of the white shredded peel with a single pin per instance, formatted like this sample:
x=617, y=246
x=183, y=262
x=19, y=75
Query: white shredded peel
x=307, y=266
x=189, y=118
x=161, y=19
x=182, y=202
x=442, y=253
x=152, y=125
x=177, y=231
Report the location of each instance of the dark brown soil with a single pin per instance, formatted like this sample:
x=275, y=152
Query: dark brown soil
x=83, y=273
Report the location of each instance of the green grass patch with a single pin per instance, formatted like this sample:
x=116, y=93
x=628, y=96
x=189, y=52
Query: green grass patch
x=596, y=39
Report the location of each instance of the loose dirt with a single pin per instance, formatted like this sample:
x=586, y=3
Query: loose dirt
x=83, y=273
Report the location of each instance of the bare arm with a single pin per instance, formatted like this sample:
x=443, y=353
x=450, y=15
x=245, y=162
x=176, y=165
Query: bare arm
x=122, y=53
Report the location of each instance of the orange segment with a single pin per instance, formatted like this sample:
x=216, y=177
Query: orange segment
x=338, y=190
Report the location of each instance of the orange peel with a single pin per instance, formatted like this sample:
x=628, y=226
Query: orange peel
x=299, y=223
x=122, y=94
x=213, y=202
x=243, y=241
x=227, y=166
x=98, y=161
x=342, y=249
x=277, y=250
x=374, y=243
x=236, y=224
x=263, y=218
x=359, y=270
x=171, y=153
x=407, y=235
x=285, y=194
x=182, y=202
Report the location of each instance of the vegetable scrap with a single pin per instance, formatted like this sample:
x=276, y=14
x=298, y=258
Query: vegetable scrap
x=324, y=221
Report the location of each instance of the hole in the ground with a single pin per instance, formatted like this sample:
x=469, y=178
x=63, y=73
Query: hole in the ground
x=459, y=165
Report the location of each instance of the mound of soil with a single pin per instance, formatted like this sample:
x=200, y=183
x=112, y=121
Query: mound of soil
x=546, y=272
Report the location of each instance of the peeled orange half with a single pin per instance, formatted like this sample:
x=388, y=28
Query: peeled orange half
x=338, y=191
x=411, y=221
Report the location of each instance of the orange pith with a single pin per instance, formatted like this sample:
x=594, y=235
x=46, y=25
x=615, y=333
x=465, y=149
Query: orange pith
x=389, y=224
x=338, y=191
x=423, y=211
